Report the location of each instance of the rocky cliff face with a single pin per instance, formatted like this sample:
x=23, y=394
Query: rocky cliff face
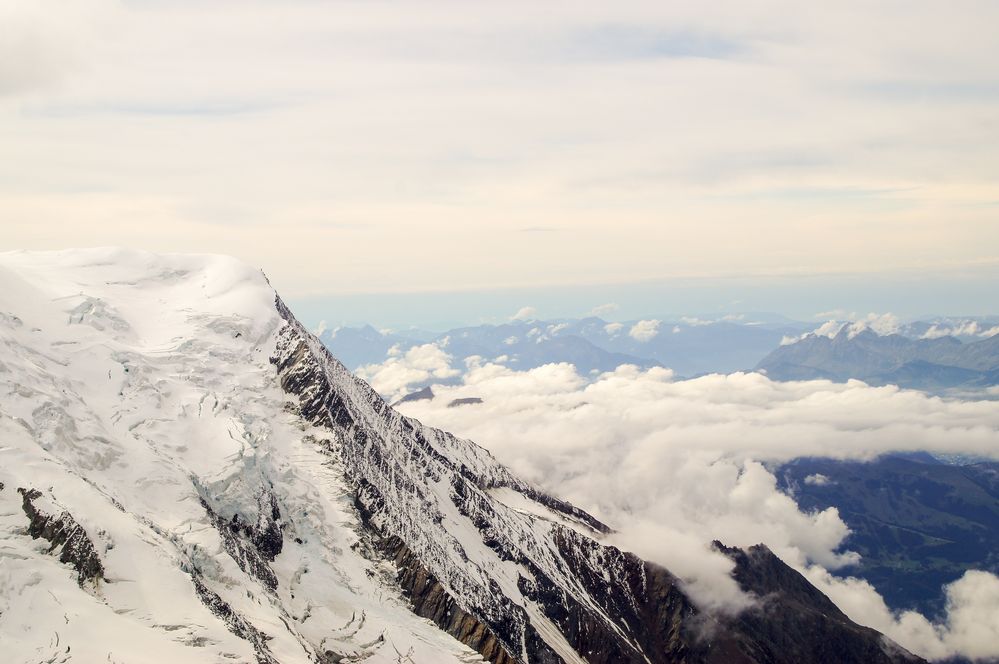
x=63, y=534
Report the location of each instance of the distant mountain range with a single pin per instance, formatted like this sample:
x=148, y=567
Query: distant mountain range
x=922, y=363
x=690, y=346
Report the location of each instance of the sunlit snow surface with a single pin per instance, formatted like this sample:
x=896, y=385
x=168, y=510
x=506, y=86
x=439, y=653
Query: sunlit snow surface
x=132, y=387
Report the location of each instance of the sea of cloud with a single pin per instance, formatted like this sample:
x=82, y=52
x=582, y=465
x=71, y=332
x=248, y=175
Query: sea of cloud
x=674, y=464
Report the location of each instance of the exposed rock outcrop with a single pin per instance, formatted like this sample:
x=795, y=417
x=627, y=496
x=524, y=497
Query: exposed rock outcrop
x=235, y=622
x=64, y=533
x=252, y=546
x=431, y=600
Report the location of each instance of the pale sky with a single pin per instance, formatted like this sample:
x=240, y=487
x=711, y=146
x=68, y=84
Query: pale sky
x=355, y=146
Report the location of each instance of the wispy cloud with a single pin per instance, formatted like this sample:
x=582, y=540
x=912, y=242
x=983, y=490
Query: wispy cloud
x=642, y=42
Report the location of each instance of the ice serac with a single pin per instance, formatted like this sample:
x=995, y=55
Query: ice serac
x=529, y=585
x=201, y=481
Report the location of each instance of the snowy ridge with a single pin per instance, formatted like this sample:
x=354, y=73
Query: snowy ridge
x=483, y=552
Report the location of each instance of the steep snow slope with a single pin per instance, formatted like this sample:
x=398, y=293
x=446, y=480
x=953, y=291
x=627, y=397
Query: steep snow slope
x=136, y=390
x=188, y=475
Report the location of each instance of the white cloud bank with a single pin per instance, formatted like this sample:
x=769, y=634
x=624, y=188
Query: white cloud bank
x=675, y=464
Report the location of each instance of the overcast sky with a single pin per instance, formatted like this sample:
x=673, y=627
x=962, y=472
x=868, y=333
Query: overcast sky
x=408, y=146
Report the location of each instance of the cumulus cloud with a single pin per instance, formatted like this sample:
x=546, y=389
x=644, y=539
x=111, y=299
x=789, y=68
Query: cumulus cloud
x=401, y=370
x=882, y=324
x=525, y=313
x=828, y=329
x=604, y=309
x=818, y=479
x=691, y=464
x=644, y=330
x=613, y=328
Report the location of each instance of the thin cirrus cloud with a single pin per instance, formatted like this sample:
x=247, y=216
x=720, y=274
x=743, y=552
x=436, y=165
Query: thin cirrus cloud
x=691, y=465
x=622, y=42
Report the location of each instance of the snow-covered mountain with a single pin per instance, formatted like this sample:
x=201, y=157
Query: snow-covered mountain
x=927, y=362
x=187, y=475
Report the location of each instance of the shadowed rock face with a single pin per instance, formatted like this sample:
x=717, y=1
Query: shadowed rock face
x=522, y=588
x=794, y=621
x=252, y=547
x=424, y=394
x=234, y=622
x=65, y=534
x=431, y=600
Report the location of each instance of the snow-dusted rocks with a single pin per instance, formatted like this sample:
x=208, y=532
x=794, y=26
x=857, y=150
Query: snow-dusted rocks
x=230, y=492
